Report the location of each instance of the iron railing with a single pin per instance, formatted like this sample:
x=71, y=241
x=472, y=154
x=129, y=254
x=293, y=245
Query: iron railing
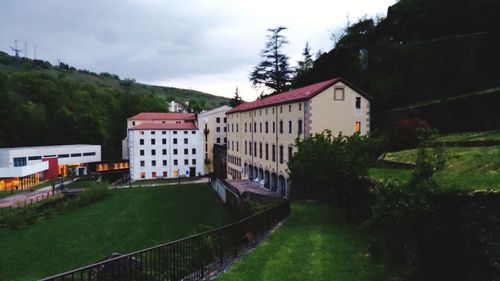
x=193, y=258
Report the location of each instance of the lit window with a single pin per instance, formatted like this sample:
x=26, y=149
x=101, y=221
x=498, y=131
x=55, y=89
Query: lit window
x=338, y=94
x=358, y=127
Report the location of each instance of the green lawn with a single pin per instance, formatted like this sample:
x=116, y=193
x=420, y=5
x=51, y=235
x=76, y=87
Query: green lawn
x=493, y=135
x=163, y=181
x=467, y=168
x=128, y=220
x=313, y=244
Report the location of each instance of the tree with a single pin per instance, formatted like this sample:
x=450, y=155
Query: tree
x=273, y=71
x=236, y=100
x=306, y=64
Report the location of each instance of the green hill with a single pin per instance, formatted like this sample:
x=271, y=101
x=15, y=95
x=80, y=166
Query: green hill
x=44, y=104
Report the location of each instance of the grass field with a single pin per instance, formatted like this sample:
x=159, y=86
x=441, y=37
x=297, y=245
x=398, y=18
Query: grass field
x=493, y=135
x=313, y=244
x=128, y=220
x=467, y=168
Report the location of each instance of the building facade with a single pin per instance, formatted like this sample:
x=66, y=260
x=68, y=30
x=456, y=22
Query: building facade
x=214, y=125
x=164, y=145
x=261, y=134
x=24, y=167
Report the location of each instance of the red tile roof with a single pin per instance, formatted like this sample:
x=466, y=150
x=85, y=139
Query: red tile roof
x=303, y=93
x=163, y=116
x=165, y=126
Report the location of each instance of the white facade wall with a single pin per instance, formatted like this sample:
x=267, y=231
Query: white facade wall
x=66, y=154
x=172, y=169
x=18, y=172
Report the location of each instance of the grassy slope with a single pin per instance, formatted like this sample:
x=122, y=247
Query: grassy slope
x=467, y=168
x=313, y=244
x=181, y=95
x=126, y=221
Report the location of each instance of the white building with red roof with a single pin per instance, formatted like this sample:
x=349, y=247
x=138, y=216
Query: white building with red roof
x=261, y=134
x=163, y=145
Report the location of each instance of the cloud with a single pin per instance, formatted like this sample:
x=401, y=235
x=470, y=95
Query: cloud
x=209, y=45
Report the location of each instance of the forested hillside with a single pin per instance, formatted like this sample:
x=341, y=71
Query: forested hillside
x=423, y=50
x=42, y=104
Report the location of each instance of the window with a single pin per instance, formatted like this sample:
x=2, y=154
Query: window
x=260, y=150
x=255, y=127
x=72, y=155
x=250, y=145
x=19, y=161
x=89, y=154
x=299, y=127
x=164, y=151
x=255, y=149
x=31, y=158
x=225, y=129
x=246, y=148
x=153, y=163
x=281, y=126
x=218, y=140
x=153, y=141
x=175, y=151
x=267, y=127
x=273, y=110
x=141, y=152
x=142, y=163
x=338, y=94
x=217, y=120
x=153, y=132
x=358, y=127
x=141, y=141
x=153, y=152
x=225, y=120
x=176, y=162
x=225, y=140
x=290, y=108
x=193, y=161
x=63, y=156
x=165, y=174
x=193, y=132
x=273, y=155
x=163, y=132
x=281, y=109
x=186, y=151
x=175, y=140
x=141, y=132
x=260, y=127
x=267, y=151
x=186, y=162
x=175, y=132
x=193, y=151
x=133, y=123
x=300, y=106
x=290, y=153
x=245, y=127
x=185, y=132
x=153, y=174
x=358, y=103
x=281, y=154
x=164, y=162
x=217, y=129
x=237, y=146
x=237, y=127
x=163, y=141
x=143, y=175
x=274, y=127
x=185, y=141
x=290, y=127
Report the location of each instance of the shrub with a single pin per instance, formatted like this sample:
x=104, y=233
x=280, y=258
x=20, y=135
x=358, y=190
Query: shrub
x=408, y=133
x=14, y=221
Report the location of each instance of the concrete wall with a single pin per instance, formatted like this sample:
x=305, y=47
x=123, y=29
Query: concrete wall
x=209, y=120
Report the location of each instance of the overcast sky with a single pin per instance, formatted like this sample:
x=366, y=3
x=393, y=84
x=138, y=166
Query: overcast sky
x=206, y=45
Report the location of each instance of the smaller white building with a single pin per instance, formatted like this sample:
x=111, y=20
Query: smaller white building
x=22, y=167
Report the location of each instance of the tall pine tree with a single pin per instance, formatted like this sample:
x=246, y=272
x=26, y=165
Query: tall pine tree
x=236, y=100
x=273, y=71
x=307, y=63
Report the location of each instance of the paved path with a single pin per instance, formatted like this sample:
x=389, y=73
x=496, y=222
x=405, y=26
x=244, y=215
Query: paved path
x=20, y=198
x=202, y=180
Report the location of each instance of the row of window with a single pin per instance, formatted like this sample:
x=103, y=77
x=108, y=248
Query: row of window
x=21, y=161
x=290, y=107
x=163, y=141
x=164, y=162
x=153, y=174
x=218, y=140
x=164, y=151
x=234, y=173
x=165, y=132
x=217, y=120
x=217, y=129
x=265, y=128
x=234, y=160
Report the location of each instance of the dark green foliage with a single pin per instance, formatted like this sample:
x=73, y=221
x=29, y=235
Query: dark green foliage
x=273, y=71
x=422, y=50
x=340, y=165
x=407, y=133
x=236, y=100
x=44, y=105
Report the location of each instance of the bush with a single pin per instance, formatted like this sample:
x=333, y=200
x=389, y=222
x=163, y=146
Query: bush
x=14, y=221
x=408, y=133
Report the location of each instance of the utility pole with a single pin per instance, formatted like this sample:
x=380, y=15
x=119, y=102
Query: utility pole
x=17, y=51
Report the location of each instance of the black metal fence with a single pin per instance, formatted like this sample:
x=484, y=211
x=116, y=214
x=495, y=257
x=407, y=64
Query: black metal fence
x=193, y=258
